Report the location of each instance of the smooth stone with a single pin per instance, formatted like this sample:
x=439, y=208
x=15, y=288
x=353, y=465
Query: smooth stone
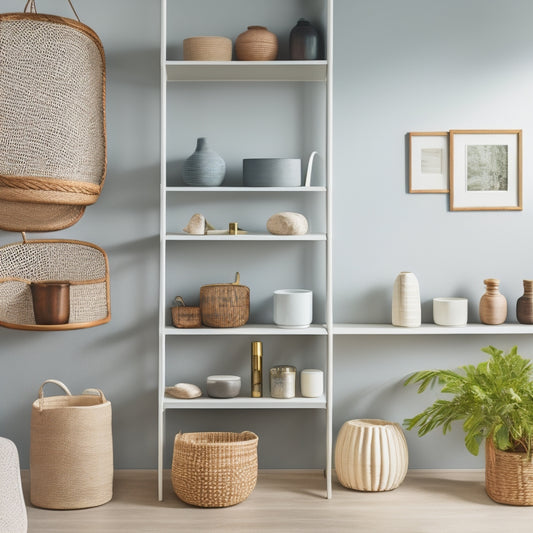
x=196, y=225
x=184, y=391
x=287, y=223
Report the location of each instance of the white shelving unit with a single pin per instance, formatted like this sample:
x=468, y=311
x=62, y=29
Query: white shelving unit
x=257, y=72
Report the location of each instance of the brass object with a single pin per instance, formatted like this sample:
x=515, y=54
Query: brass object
x=233, y=228
x=257, y=369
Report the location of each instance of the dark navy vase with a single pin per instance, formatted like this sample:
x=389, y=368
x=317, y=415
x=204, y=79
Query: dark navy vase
x=303, y=41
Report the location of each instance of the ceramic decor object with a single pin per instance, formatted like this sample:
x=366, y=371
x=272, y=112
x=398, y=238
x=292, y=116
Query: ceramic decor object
x=303, y=41
x=493, y=305
x=371, y=455
x=406, y=308
x=524, y=304
x=293, y=308
x=51, y=302
x=450, y=311
x=256, y=44
x=204, y=168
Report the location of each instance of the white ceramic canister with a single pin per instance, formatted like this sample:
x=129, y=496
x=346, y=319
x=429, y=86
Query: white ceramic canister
x=450, y=311
x=311, y=382
x=293, y=308
x=406, y=309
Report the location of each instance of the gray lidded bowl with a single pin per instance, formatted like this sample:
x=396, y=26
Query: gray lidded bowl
x=272, y=172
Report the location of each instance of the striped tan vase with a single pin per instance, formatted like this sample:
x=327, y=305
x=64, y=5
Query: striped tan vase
x=493, y=305
x=371, y=455
x=406, y=309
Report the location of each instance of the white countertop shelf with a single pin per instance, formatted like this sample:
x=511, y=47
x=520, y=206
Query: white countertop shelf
x=246, y=71
x=246, y=237
x=432, y=329
x=205, y=402
x=248, y=329
x=246, y=189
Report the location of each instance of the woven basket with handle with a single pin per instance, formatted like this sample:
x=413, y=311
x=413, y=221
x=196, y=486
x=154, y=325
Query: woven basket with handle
x=71, y=451
x=214, y=469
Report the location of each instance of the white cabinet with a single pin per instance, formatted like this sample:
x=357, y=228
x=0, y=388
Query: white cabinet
x=227, y=93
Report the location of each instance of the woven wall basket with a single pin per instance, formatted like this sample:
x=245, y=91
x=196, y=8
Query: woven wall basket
x=71, y=450
x=52, y=121
x=82, y=264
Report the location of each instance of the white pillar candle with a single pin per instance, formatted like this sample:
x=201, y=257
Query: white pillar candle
x=311, y=382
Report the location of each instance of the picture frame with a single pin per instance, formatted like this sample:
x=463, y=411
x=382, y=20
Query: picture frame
x=428, y=162
x=485, y=170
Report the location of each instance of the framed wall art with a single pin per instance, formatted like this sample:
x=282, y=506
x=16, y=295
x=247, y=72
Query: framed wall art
x=485, y=170
x=428, y=162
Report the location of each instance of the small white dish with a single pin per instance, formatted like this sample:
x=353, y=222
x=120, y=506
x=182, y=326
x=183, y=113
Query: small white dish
x=450, y=311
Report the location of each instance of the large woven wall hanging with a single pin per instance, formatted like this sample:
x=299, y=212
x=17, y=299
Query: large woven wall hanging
x=53, y=152
x=82, y=266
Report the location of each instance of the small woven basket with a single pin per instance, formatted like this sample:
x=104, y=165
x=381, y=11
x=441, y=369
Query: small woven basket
x=508, y=476
x=207, y=49
x=225, y=305
x=185, y=316
x=214, y=469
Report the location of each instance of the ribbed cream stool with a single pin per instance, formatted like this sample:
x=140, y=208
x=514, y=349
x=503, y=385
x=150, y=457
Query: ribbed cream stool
x=371, y=455
x=13, y=517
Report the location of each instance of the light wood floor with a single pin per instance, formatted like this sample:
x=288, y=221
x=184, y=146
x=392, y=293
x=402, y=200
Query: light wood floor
x=427, y=502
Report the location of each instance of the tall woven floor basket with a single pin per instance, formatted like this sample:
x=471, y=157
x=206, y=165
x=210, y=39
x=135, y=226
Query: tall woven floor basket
x=214, y=469
x=53, y=153
x=71, y=451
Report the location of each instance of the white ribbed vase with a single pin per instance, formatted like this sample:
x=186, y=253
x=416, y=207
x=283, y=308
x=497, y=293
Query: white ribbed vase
x=406, y=309
x=371, y=455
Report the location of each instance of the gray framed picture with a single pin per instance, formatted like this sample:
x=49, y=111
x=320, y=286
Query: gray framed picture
x=485, y=170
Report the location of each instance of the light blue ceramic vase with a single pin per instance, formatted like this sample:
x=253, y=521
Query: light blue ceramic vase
x=204, y=168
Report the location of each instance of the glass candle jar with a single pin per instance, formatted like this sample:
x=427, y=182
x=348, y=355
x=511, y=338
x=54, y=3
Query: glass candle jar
x=283, y=381
x=311, y=383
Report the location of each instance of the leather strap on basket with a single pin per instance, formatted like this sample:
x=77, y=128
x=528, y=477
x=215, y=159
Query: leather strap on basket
x=30, y=7
x=41, y=390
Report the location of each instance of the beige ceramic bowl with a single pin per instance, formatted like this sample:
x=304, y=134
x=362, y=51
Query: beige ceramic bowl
x=207, y=49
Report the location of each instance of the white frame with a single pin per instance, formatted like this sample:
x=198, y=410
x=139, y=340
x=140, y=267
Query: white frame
x=463, y=200
x=428, y=182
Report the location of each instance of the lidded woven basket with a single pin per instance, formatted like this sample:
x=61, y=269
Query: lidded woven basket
x=52, y=121
x=82, y=264
x=214, y=469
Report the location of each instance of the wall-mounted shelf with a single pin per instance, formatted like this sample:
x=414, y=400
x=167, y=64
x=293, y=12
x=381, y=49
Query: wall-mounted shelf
x=246, y=71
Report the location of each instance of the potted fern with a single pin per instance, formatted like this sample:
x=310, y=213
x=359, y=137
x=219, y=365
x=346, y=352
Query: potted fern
x=495, y=402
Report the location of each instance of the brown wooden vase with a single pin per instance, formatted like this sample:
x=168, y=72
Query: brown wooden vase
x=493, y=305
x=524, y=304
x=51, y=302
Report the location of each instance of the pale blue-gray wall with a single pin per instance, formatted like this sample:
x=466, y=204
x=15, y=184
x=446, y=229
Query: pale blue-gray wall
x=414, y=65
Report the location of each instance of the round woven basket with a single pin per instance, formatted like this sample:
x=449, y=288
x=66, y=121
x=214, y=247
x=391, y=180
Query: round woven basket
x=214, y=469
x=207, y=49
x=508, y=476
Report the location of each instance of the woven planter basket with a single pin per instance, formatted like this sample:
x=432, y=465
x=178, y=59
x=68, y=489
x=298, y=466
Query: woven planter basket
x=207, y=48
x=71, y=450
x=214, y=469
x=82, y=264
x=52, y=120
x=508, y=476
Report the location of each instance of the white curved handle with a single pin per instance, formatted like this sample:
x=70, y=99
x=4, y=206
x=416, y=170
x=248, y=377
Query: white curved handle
x=307, y=182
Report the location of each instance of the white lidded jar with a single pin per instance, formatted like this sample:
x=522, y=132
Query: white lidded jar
x=311, y=383
x=406, y=309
